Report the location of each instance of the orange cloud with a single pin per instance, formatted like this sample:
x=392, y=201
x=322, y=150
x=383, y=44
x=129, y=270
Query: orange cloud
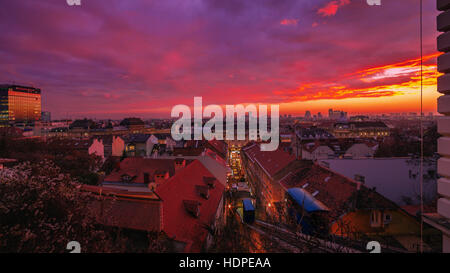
x=332, y=7
x=383, y=81
x=408, y=69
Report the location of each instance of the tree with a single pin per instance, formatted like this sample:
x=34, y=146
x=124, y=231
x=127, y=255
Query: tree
x=41, y=210
x=78, y=163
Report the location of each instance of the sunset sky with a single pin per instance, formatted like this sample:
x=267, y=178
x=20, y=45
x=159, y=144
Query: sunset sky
x=116, y=58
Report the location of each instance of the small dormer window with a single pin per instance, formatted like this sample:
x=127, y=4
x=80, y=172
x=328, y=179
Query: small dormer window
x=192, y=207
x=209, y=181
x=203, y=191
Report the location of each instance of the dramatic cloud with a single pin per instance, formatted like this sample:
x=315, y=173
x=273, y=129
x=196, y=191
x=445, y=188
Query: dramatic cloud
x=143, y=57
x=388, y=80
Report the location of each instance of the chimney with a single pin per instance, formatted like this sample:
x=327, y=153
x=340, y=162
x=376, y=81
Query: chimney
x=180, y=163
x=152, y=186
x=160, y=176
x=358, y=185
x=146, y=178
x=360, y=178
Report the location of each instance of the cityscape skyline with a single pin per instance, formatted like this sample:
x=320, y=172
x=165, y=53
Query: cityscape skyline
x=119, y=63
x=225, y=127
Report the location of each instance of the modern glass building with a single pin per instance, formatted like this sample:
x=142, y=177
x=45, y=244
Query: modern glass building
x=19, y=104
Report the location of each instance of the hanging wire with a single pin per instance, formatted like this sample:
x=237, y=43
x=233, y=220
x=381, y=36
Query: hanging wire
x=421, y=130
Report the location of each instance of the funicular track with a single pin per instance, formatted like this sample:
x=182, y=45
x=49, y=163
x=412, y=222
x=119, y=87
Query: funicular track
x=301, y=242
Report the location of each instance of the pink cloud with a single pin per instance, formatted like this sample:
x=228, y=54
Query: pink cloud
x=332, y=7
x=287, y=22
x=154, y=55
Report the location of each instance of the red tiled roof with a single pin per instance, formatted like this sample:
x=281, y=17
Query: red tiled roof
x=415, y=209
x=7, y=160
x=219, y=146
x=337, y=145
x=76, y=144
x=271, y=161
x=332, y=189
x=195, y=144
x=132, y=210
x=180, y=189
x=187, y=151
x=137, y=166
x=312, y=146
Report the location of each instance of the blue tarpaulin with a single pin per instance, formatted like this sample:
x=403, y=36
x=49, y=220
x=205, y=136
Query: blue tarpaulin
x=306, y=200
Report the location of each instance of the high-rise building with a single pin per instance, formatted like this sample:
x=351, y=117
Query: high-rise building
x=19, y=103
x=46, y=116
x=308, y=114
x=336, y=114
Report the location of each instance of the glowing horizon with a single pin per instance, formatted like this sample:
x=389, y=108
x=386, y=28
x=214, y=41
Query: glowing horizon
x=142, y=58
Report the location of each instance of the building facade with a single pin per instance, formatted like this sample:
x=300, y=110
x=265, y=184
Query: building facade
x=360, y=129
x=19, y=104
x=441, y=220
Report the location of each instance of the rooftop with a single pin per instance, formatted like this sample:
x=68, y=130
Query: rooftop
x=131, y=121
x=136, y=167
x=219, y=146
x=271, y=161
x=313, y=133
x=335, y=191
x=126, y=209
x=182, y=190
x=21, y=88
x=136, y=138
x=361, y=124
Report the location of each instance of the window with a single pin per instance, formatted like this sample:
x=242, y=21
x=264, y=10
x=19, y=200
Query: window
x=375, y=219
x=387, y=218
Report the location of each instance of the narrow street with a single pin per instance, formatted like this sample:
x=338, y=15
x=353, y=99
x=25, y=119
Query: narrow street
x=247, y=237
x=261, y=236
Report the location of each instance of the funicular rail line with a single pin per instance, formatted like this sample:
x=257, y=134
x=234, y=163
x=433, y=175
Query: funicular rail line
x=315, y=244
x=301, y=241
